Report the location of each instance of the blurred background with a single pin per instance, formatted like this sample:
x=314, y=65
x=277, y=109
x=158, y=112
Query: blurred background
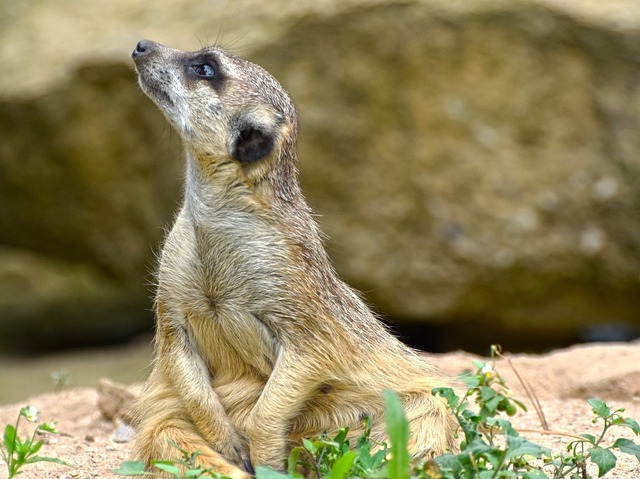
x=475, y=165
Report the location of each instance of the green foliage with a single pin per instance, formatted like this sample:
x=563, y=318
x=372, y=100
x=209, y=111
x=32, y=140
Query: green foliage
x=328, y=457
x=186, y=467
x=591, y=448
x=398, y=430
x=16, y=451
x=490, y=447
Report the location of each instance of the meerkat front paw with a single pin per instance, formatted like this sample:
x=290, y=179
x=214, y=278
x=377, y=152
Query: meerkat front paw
x=236, y=451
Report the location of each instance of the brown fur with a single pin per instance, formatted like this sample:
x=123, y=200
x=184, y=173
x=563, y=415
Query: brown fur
x=258, y=342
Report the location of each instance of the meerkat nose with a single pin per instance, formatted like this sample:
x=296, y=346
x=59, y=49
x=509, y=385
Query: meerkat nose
x=143, y=46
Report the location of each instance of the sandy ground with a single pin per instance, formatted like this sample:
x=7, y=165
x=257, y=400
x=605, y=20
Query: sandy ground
x=562, y=380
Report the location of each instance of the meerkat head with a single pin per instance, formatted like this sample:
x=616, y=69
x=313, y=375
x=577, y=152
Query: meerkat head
x=233, y=116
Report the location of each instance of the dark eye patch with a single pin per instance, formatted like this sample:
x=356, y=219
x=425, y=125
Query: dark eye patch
x=204, y=66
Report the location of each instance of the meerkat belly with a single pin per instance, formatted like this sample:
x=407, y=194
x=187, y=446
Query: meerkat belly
x=214, y=291
x=233, y=344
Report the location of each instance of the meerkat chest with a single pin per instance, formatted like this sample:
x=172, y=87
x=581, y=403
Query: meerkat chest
x=217, y=290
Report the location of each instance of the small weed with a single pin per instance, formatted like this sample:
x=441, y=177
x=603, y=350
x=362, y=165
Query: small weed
x=61, y=379
x=183, y=468
x=18, y=452
x=491, y=448
x=326, y=457
x=591, y=449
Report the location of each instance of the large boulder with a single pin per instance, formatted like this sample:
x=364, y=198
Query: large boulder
x=85, y=190
x=475, y=164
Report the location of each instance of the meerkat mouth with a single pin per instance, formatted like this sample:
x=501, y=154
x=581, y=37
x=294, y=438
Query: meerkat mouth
x=157, y=94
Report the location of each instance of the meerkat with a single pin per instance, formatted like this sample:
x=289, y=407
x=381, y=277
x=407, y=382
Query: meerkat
x=258, y=342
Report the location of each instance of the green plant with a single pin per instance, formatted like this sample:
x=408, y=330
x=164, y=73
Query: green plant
x=492, y=448
x=18, y=452
x=591, y=448
x=185, y=467
x=326, y=457
x=61, y=379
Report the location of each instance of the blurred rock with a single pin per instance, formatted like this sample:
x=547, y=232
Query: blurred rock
x=474, y=163
x=115, y=400
x=88, y=179
x=475, y=166
x=47, y=303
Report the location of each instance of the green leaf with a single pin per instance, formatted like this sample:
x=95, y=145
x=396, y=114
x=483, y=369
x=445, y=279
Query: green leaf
x=633, y=424
x=35, y=447
x=48, y=427
x=491, y=405
x=55, y=460
x=341, y=436
x=589, y=437
x=9, y=439
x=520, y=404
x=519, y=446
x=167, y=467
x=22, y=448
x=367, y=462
x=398, y=430
x=604, y=459
x=130, y=468
x=477, y=447
x=534, y=474
x=505, y=425
x=450, y=463
x=309, y=446
x=628, y=447
x=263, y=472
x=478, y=364
x=469, y=380
x=197, y=473
x=600, y=408
x=449, y=395
x=487, y=393
x=292, y=461
x=342, y=466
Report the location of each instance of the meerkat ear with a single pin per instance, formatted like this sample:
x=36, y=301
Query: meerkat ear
x=252, y=143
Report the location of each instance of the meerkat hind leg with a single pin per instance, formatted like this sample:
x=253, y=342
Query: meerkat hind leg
x=161, y=423
x=432, y=427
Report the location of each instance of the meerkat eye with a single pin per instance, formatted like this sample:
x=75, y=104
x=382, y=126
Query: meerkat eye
x=204, y=70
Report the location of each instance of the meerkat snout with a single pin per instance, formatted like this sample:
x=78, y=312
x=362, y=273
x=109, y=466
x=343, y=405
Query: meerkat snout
x=142, y=47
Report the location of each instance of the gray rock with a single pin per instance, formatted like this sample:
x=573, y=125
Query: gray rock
x=474, y=163
x=479, y=167
x=48, y=303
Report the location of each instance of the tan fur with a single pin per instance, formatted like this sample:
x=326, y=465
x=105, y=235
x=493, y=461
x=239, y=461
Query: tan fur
x=258, y=342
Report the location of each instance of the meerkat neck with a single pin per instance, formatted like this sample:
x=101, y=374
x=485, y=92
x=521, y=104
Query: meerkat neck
x=199, y=197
